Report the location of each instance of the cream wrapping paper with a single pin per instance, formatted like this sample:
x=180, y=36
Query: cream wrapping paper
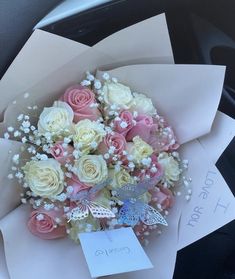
x=49, y=85
x=9, y=194
x=222, y=132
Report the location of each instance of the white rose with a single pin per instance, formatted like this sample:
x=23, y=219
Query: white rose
x=44, y=178
x=143, y=105
x=119, y=178
x=118, y=94
x=170, y=167
x=56, y=120
x=87, y=135
x=91, y=169
x=139, y=149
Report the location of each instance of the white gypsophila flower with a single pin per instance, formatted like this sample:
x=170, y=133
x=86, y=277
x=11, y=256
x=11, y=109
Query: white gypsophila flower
x=85, y=82
x=19, y=175
x=62, y=197
x=20, y=117
x=16, y=158
x=24, y=139
x=10, y=176
x=26, y=95
x=17, y=134
x=26, y=124
x=89, y=76
x=32, y=149
x=48, y=206
x=6, y=135
x=26, y=130
x=10, y=129
x=97, y=84
x=105, y=76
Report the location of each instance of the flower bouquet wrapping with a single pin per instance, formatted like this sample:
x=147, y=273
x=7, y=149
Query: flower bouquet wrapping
x=100, y=150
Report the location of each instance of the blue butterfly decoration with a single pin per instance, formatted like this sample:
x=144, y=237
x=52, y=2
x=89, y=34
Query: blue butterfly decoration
x=134, y=209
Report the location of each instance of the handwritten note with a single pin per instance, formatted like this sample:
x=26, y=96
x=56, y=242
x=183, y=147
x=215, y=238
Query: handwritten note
x=113, y=251
x=212, y=204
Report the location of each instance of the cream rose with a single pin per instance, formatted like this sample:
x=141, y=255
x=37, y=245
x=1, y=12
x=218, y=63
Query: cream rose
x=118, y=94
x=56, y=120
x=142, y=104
x=170, y=167
x=87, y=135
x=119, y=178
x=139, y=149
x=91, y=169
x=44, y=178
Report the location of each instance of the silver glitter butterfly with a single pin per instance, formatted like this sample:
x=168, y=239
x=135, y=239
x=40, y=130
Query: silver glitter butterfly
x=86, y=205
x=134, y=209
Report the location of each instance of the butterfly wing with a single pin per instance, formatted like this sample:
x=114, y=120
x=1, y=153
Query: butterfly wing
x=146, y=185
x=78, y=213
x=129, y=190
x=150, y=216
x=99, y=211
x=81, y=195
x=98, y=187
x=129, y=214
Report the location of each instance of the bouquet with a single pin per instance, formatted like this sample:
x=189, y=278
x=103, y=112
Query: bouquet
x=97, y=181
x=100, y=157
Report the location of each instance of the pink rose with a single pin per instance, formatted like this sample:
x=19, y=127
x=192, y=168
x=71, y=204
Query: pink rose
x=82, y=101
x=162, y=196
x=155, y=171
x=44, y=224
x=76, y=184
x=125, y=123
x=163, y=140
x=113, y=142
x=143, y=127
x=62, y=154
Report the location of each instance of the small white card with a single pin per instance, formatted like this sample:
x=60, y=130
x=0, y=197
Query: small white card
x=113, y=251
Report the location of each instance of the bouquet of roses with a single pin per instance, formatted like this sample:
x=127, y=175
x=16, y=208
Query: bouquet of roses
x=97, y=154
x=100, y=157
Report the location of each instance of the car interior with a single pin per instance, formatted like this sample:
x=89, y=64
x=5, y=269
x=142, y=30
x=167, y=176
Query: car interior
x=201, y=32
